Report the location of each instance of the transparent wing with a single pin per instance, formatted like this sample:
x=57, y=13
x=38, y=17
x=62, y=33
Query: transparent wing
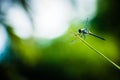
x=87, y=25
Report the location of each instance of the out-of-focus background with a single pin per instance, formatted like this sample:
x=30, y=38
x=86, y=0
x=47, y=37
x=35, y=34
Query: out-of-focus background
x=36, y=40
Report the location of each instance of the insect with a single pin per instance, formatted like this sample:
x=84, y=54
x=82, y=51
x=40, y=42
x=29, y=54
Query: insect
x=85, y=31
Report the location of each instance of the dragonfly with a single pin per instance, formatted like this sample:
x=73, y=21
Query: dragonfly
x=84, y=31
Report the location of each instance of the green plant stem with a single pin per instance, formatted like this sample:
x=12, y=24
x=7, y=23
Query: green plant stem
x=87, y=44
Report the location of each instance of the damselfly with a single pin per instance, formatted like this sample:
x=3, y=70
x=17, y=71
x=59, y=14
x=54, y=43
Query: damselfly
x=84, y=31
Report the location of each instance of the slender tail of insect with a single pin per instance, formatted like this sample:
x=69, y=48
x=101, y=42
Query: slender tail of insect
x=96, y=36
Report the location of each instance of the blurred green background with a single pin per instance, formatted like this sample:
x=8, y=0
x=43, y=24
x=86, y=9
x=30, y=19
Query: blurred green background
x=43, y=52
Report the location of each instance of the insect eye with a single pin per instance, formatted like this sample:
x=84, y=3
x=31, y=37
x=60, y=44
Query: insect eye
x=79, y=30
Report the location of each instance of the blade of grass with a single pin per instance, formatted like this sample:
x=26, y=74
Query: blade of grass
x=87, y=44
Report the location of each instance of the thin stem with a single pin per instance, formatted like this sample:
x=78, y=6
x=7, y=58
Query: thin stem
x=87, y=44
